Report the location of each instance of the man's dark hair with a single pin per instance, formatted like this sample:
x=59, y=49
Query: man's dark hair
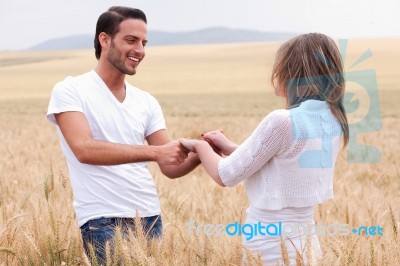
x=109, y=21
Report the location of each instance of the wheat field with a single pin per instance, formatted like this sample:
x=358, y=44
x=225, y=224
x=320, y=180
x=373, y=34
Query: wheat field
x=200, y=88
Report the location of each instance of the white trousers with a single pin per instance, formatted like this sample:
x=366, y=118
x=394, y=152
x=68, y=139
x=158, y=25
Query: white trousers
x=291, y=226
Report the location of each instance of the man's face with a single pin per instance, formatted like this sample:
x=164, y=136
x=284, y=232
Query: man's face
x=126, y=50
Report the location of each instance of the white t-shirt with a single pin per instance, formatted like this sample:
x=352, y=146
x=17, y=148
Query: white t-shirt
x=109, y=191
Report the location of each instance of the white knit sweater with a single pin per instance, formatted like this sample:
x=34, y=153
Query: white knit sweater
x=288, y=161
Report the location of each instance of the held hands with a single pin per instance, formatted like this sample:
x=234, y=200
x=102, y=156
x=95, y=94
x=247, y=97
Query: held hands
x=176, y=152
x=190, y=144
x=216, y=139
x=219, y=142
x=172, y=153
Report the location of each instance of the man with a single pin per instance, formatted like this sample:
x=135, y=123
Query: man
x=103, y=123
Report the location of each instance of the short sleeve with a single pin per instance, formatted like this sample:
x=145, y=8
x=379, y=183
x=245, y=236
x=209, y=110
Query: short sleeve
x=64, y=98
x=271, y=137
x=156, y=121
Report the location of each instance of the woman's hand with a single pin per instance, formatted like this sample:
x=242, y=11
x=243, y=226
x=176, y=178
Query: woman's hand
x=218, y=140
x=190, y=144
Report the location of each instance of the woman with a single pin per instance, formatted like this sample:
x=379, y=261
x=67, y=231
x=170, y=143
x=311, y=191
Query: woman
x=287, y=163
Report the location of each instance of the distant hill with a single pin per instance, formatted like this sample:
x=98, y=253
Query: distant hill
x=204, y=36
x=215, y=35
x=66, y=43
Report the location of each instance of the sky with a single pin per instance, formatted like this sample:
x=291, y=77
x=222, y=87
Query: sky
x=26, y=23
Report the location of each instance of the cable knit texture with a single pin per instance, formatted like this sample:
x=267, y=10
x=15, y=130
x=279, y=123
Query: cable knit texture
x=288, y=160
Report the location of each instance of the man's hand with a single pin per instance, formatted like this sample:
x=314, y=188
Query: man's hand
x=174, y=160
x=172, y=153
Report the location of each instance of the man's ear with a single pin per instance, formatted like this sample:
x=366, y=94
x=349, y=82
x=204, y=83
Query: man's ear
x=104, y=40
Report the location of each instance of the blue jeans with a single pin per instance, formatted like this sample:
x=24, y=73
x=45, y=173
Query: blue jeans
x=98, y=232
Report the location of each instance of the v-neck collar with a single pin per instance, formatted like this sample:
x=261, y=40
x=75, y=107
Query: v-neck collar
x=104, y=85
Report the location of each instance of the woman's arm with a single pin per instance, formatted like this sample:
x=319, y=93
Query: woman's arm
x=207, y=156
x=271, y=136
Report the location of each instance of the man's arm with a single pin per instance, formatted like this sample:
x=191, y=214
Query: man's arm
x=76, y=131
x=173, y=171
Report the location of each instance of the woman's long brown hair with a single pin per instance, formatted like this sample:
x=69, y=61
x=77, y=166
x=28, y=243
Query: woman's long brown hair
x=310, y=67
